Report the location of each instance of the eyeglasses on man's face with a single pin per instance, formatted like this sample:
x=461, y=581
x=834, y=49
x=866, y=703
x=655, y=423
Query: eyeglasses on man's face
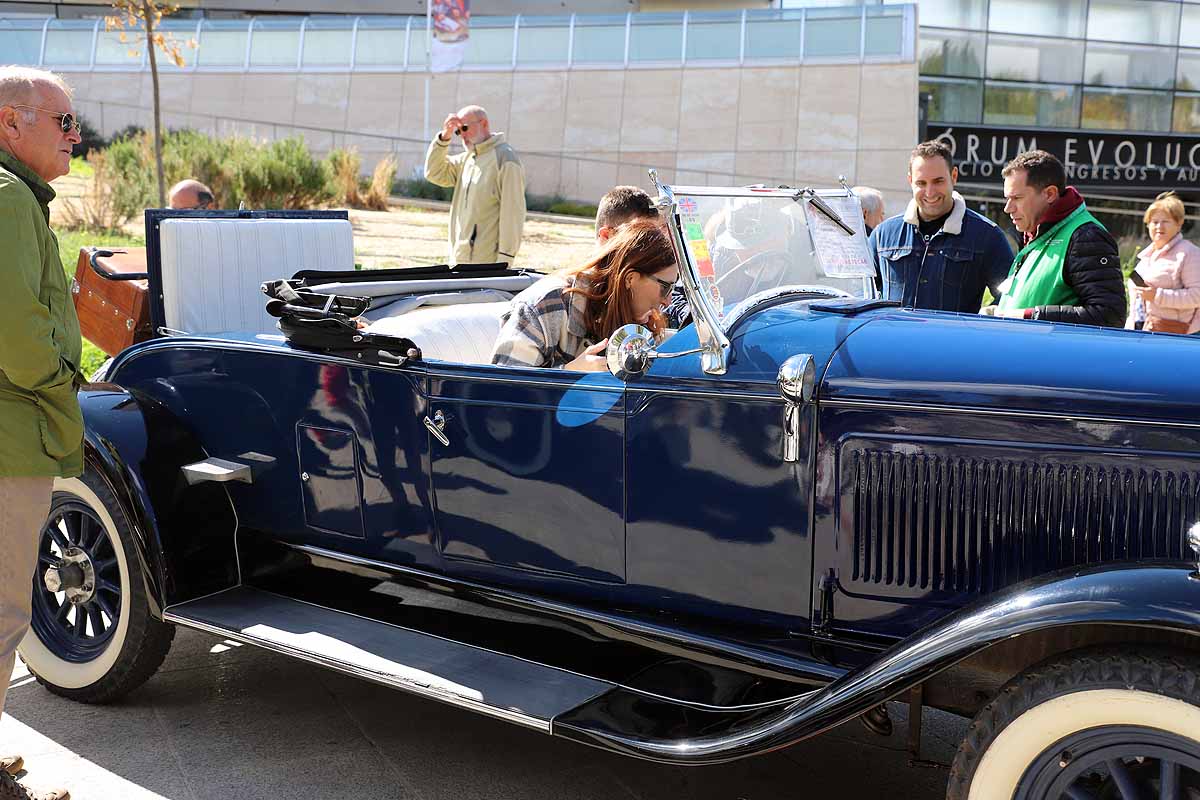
x=69, y=122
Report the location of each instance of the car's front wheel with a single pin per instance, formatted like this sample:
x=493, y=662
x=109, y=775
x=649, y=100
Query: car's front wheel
x=1100, y=725
x=91, y=637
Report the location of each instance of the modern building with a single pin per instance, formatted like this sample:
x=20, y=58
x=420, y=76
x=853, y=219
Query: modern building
x=1110, y=86
x=795, y=96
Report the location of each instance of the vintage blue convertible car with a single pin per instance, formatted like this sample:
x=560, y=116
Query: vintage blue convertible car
x=805, y=503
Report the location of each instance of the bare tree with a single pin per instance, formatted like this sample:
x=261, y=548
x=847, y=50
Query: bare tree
x=145, y=15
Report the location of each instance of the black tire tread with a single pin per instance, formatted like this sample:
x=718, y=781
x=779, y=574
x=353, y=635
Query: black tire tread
x=147, y=640
x=1165, y=672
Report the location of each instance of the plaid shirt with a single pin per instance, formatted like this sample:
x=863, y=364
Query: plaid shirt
x=543, y=327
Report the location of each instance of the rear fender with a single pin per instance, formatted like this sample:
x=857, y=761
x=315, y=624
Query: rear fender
x=183, y=534
x=1163, y=596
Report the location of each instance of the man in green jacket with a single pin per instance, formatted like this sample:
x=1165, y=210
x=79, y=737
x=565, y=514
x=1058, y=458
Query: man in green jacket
x=41, y=427
x=487, y=212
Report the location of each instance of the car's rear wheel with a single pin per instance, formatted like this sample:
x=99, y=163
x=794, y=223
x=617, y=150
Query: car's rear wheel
x=1101, y=725
x=91, y=636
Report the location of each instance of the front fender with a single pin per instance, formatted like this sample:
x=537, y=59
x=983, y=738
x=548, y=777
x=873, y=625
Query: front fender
x=138, y=448
x=1165, y=596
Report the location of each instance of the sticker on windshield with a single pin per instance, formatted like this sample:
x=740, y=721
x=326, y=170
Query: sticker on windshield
x=700, y=254
x=714, y=294
x=687, y=205
x=695, y=232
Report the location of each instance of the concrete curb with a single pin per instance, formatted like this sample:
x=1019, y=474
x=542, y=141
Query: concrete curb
x=439, y=205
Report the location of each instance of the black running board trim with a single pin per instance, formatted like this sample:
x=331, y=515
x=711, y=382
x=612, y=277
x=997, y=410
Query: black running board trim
x=483, y=681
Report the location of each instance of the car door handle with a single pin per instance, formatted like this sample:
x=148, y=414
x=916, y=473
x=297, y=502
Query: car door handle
x=436, y=426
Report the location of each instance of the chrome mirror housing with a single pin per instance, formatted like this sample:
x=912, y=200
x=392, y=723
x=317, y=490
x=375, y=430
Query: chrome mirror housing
x=797, y=382
x=798, y=378
x=630, y=350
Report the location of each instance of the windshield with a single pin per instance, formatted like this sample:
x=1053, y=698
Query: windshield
x=745, y=247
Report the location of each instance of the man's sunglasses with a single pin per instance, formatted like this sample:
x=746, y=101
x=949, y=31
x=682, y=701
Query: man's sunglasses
x=69, y=122
x=664, y=287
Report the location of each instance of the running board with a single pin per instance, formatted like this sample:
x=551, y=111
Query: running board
x=470, y=677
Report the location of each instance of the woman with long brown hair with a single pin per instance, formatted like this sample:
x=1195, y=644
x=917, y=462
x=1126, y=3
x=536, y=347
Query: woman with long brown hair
x=564, y=320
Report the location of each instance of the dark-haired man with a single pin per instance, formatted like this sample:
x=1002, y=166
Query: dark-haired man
x=620, y=205
x=1069, y=269
x=939, y=254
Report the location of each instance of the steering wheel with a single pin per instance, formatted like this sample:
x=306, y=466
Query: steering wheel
x=778, y=259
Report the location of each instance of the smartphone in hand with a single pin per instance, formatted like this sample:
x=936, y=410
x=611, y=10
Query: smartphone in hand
x=1138, y=280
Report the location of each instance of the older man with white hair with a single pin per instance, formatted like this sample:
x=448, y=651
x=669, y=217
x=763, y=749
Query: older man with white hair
x=871, y=201
x=41, y=427
x=487, y=213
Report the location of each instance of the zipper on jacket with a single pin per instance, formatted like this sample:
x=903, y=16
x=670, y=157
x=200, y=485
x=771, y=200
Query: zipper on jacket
x=924, y=255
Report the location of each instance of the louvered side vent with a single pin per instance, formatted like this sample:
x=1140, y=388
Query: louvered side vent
x=961, y=524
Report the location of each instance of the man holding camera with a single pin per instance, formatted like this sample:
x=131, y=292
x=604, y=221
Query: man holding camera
x=487, y=213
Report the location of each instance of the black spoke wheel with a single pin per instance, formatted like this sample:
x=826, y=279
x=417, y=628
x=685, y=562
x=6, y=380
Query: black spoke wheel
x=92, y=636
x=1105, y=724
x=76, y=622
x=1115, y=763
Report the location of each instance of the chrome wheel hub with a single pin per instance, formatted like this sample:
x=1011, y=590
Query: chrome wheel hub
x=73, y=575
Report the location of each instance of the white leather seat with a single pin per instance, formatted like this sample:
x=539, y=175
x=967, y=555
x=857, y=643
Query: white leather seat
x=464, y=333
x=212, y=269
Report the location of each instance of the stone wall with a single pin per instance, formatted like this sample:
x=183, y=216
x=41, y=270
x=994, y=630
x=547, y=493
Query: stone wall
x=578, y=132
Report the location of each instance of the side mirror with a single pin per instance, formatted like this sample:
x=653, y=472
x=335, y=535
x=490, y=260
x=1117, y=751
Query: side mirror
x=797, y=379
x=797, y=382
x=630, y=350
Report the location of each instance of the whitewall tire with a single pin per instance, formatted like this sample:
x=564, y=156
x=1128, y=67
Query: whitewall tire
x=105, y=643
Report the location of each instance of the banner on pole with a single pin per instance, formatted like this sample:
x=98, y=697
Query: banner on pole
x=451, y=23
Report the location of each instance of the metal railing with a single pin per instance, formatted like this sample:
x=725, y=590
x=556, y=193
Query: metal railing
x=848, y=34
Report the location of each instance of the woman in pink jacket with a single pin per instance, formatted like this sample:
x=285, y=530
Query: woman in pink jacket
x=1170, y=267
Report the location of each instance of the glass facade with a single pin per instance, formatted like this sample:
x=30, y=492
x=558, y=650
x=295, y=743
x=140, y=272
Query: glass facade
x=831, y=31
x=1126, y=65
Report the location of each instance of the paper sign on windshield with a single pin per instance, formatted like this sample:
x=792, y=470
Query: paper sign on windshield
x=839, y=255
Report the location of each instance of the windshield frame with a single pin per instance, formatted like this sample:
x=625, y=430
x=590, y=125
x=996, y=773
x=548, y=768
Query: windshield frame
x=711, y=329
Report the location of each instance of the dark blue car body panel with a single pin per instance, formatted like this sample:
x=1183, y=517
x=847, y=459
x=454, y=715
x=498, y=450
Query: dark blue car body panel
x=670, y=493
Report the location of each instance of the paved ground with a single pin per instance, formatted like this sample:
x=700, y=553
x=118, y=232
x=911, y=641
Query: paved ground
x=222, y=721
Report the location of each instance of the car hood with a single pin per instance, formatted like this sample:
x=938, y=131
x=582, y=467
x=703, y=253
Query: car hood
x=960, y=360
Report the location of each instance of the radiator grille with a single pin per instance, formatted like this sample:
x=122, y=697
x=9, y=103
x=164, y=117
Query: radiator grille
x=976, y=524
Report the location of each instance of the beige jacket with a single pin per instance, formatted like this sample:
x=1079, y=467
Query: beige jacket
x=1175, y=272
x=488, y=210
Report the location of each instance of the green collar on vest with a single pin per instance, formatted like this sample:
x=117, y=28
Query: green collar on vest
x=1043, y=238
x=41, y=190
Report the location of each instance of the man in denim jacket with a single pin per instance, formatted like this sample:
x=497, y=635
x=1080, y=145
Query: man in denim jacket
x=939, y=255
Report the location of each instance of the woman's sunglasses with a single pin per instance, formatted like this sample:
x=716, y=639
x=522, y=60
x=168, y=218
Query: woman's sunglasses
x=69, y=123
x=664, y=287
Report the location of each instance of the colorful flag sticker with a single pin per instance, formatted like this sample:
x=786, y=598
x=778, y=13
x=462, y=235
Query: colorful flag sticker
x=700, y=249
x=705, y=267
x=687, y=205
x=694, y=231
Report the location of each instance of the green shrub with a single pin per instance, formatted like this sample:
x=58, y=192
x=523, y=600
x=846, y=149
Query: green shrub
x=417, y=187
x=190, y=154
x=129, y=177
x=283, y=174
x=557, y=204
